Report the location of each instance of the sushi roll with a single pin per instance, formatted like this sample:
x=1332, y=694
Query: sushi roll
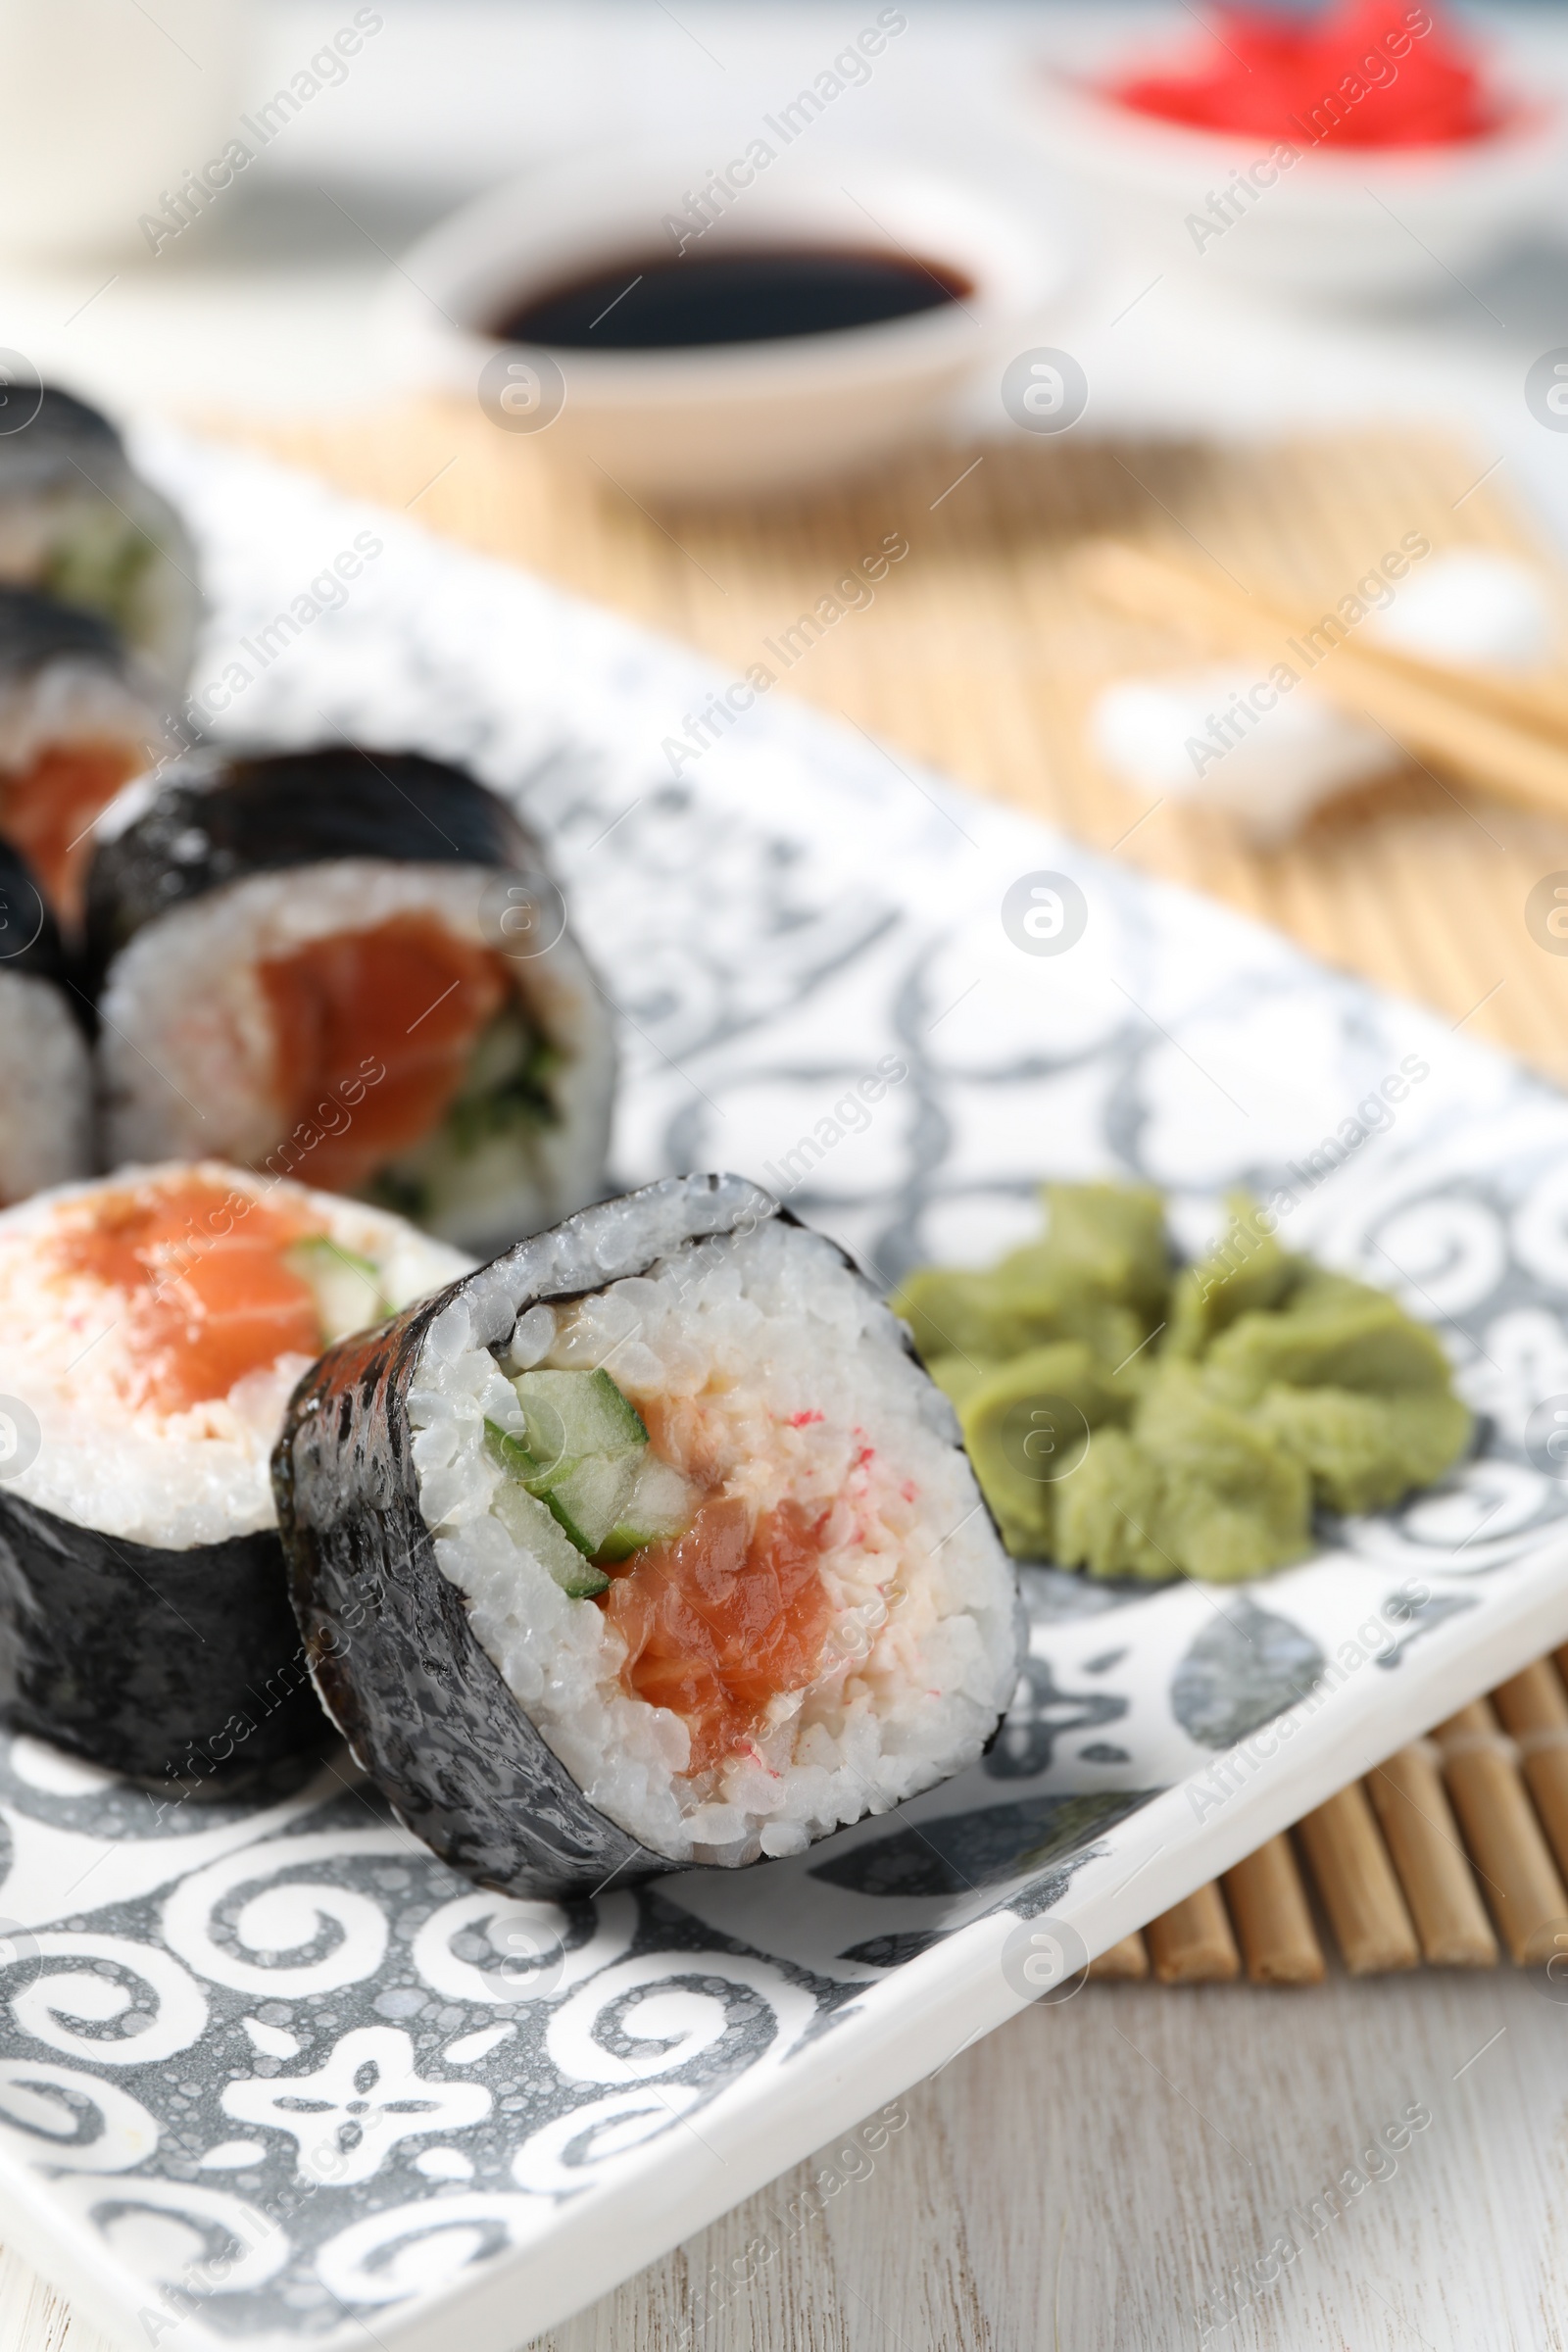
x=151, y=1328
x=78, y=720
x=45, y=1067
x=647, y=1544
x=80, y=525
x=269, y=932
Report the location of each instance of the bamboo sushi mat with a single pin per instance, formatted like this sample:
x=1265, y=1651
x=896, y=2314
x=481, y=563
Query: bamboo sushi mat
x=978, y=654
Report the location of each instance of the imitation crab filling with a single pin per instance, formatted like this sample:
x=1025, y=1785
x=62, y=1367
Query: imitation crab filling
x=711, y=1535
x=156, y=1324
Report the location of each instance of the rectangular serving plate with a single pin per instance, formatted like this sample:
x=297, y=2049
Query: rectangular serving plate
x=776, y=910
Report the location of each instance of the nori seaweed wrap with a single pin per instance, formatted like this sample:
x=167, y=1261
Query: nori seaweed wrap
x=151, y=1327
x=267, y=928
x=647, y=1544
x=169, y=1666
x=77, y=522
x=29, y=936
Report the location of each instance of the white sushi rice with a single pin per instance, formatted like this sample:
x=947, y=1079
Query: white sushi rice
x=176, y=1479
x=45, y=1088
x=186, y=1024
x=73, y=701
x=762, y=1361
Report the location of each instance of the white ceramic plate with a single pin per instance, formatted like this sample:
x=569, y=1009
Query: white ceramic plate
x=259, y=2082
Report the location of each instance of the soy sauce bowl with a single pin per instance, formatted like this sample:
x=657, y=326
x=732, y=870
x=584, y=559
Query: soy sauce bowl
x=717, y=420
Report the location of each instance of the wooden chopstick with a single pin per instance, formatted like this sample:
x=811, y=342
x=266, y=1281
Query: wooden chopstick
x=1431, y=712
x=1150, y=580
x=1529, y=703
x=1422, y=1840
x=1355, y=1879
x=1527, y=1896
x=1273, y=1918
x=1192, y=1944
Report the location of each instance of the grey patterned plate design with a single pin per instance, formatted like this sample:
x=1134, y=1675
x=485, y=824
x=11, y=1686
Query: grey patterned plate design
x=269, y=2074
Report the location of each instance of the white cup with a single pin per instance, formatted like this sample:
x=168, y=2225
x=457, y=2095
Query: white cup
x=103, y=107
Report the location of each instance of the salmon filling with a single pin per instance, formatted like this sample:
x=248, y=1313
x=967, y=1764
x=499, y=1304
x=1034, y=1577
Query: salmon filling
x=723, y=1620
x=408, y=994
x=48, y=810
x=208, y=1295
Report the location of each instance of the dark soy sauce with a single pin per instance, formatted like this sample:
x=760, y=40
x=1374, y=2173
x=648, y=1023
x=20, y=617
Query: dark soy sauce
x=761, y=296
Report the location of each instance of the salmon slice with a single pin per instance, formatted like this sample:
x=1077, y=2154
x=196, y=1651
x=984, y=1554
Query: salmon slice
x=406, y=995
x=48, y=809
x=723, y=1620
x=209, y=1294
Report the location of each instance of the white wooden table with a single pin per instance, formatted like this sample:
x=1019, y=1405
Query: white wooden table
x=1092, y=2174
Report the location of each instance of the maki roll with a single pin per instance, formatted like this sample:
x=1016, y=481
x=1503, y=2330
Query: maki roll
x=76, y=722
x=80, y=525
x=151, y=1327
x=648, y=1545
x=45, y=1069
x=275, y=935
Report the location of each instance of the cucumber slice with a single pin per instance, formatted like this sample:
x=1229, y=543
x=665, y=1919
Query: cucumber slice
x=661, y=1506
x=530, y=1523
x=585, y=1455
x=583, y=1498
x=580, y=1498
x=505, y=1087
x=572, y=1414
x=348, y=1291
x=589, y=1496
x=514, y=1456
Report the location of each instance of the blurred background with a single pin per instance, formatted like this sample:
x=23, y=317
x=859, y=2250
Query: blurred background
x=1271, y=291
x=267, y=300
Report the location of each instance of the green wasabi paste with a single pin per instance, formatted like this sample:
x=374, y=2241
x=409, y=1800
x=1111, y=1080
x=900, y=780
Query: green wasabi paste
x=1134, y=1418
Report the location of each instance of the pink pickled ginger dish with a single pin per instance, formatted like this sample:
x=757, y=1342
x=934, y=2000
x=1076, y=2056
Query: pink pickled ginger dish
x=1362, y=74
